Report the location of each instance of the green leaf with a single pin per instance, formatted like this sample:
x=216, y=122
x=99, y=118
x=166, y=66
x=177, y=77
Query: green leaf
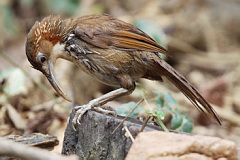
x=159, y=113
x=187, y=127
x=160, y=123
x=168, y=108
x=169, y=98
x=176, y=121
x=177, y=111
x=125, y=109
x=15, y=81
x=187, y=117
x=159, y=102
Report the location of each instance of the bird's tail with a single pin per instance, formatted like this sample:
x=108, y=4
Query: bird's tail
x=188, y=90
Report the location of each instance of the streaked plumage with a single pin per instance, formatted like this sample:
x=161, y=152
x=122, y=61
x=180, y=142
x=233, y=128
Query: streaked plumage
x=113, y=51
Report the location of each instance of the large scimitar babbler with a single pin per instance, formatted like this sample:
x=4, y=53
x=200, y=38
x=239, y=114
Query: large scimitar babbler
x=113, y=51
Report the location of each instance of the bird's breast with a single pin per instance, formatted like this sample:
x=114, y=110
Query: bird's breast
x=107, y=64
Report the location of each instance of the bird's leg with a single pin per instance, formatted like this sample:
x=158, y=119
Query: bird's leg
x=97, y=103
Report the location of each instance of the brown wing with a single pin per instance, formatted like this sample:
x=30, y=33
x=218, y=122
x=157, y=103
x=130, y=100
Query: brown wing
x=105, y=31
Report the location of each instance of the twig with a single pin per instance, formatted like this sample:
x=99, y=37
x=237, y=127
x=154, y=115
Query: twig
x=128, y=133
x=127, y=115
x=22, y=151
x=158, y=121
x=145, y=123
x=161, y=124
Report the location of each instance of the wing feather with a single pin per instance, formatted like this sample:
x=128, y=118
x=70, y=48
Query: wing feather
x=109, y=32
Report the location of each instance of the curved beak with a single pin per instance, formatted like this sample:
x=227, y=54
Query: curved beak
x=55, y=84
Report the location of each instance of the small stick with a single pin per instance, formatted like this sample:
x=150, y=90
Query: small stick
x=127, y=116
x=23, y=151
x=145, y=123
x=128, y=133
x=159, y=122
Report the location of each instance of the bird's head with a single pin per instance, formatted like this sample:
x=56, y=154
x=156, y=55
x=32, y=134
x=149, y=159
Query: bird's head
x=44, y=45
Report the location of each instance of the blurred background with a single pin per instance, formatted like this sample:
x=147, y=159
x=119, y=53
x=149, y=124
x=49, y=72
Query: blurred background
x=203, y=37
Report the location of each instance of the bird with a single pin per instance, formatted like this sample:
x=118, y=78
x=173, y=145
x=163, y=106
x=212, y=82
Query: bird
x=111, y=50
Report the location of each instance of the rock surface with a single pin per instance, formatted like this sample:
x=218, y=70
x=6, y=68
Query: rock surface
x=94, y=139
x=158, y=145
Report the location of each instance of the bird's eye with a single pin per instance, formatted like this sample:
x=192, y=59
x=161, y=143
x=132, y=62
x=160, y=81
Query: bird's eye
x=42, y=59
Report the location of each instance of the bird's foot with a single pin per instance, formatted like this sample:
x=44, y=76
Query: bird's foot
x=81, y=110
x=106, y=110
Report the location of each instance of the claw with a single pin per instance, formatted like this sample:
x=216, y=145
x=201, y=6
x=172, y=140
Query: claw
x=106, y=110
x=79, y=112
x=74, y=126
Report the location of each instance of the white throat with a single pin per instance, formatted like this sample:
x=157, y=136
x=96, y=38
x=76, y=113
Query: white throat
x=58, y=51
